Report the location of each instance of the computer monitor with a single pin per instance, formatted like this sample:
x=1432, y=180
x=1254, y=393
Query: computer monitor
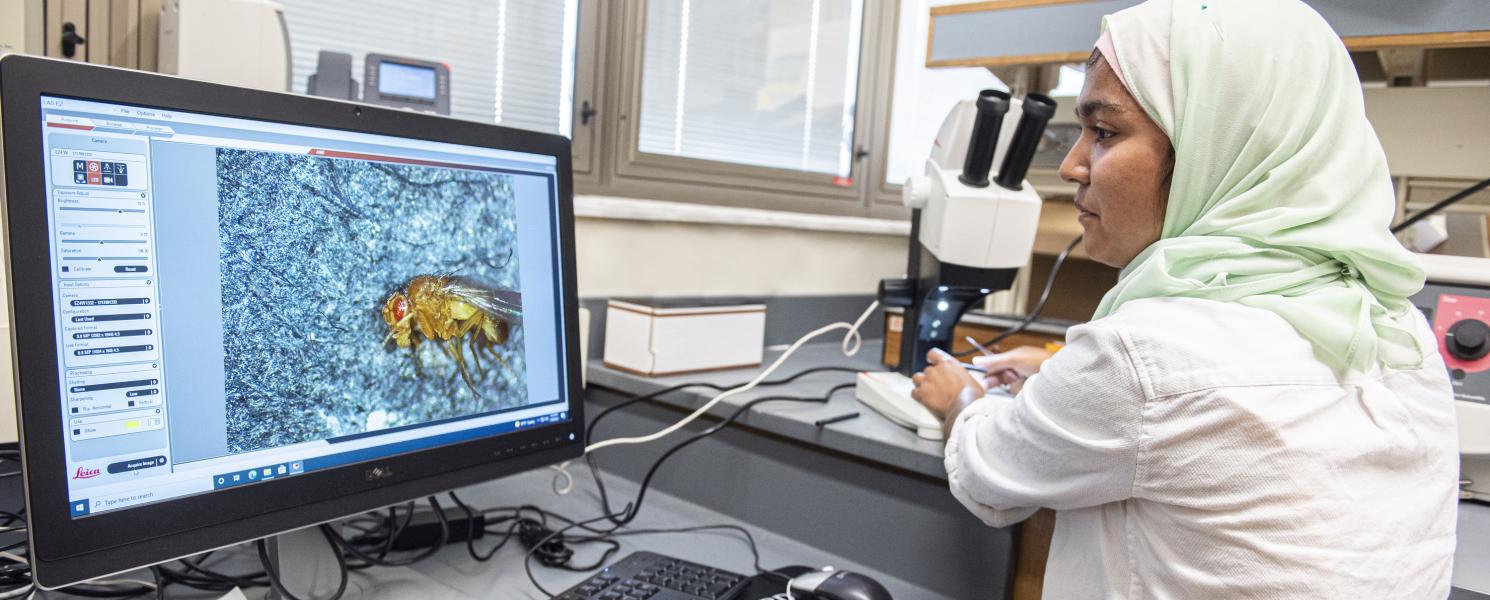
x=237, y=313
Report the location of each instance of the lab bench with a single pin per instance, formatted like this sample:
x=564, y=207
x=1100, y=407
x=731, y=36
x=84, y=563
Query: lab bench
x=864, y=489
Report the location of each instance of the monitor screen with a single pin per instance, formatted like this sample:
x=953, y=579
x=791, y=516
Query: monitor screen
x=242, y=301
x=406, y=80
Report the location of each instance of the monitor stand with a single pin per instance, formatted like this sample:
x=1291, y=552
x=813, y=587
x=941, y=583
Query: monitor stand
x=307, y=568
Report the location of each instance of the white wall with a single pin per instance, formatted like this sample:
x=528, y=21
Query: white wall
x=619, y=257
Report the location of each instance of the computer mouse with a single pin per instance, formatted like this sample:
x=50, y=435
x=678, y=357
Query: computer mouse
x=828, y=584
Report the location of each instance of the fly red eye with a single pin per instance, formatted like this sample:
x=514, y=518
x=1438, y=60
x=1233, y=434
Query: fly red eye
x=400, y=309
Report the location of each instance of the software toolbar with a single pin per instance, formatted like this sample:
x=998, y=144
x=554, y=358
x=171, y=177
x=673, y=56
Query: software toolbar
x=109, y=306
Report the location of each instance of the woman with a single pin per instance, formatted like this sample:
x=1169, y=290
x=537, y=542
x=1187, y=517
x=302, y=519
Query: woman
x=1255, y=410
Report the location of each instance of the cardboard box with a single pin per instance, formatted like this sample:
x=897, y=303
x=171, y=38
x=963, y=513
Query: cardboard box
x=658, y=338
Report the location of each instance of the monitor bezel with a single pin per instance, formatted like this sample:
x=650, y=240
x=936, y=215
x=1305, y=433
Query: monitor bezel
x=65, y=550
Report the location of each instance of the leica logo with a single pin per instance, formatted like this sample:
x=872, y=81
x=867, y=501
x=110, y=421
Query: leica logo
x=377, y=473
x=85, y=473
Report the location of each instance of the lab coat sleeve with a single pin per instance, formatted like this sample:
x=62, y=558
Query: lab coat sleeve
x=1070, y=439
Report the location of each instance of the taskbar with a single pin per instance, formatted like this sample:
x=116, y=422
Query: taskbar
x=82, y=507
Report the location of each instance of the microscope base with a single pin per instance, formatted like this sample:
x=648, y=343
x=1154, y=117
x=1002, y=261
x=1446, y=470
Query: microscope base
x=889, y=394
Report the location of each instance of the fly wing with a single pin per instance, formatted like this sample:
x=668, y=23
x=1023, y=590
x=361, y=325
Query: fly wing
x=497, y=303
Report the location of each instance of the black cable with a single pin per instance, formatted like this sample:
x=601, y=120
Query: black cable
x=750, y=539
x=553, y=553
x=160, y=583
x=1039, y=306
x=382, y=562
x=208, y=584
x=11, y=517
x=1442, y=204
x=590, y=429
x=394, y=529
x=630, y=511
x=273, y=573
x=593, y=463
x=646, y=483
x=471, y=530
x=553, y=549
x=528, y=558
x=257, y=579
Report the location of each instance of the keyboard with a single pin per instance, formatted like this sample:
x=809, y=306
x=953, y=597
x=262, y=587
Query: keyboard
x=651, y=576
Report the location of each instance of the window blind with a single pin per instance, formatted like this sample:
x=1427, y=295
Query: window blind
x=757, y=82
x=511, y=61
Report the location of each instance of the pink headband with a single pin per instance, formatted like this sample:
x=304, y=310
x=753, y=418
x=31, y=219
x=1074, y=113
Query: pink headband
x=1104, y=45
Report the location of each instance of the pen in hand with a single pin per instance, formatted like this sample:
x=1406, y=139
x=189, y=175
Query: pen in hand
x=986, y=352
x=980, y=347
x=964, y=365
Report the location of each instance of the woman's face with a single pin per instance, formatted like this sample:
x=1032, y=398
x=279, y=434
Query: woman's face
x=1121, y=163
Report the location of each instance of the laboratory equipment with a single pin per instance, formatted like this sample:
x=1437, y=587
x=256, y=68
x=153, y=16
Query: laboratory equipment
x=205, y=325
x=406, y=83
x=969, y=237
x=234, y=42
x=1456, y=302
x=333, y=77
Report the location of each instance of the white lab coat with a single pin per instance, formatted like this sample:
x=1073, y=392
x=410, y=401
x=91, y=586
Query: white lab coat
x=1197, y=449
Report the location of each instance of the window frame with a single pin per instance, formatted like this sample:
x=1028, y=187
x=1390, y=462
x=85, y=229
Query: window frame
x=588, y=85
x=884, y=199
x=627, y=171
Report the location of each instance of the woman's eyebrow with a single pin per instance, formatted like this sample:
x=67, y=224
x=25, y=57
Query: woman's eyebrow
x=1090, y=108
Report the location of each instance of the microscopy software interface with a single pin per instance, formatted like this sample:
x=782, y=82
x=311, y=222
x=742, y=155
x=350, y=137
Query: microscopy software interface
x=240, y=301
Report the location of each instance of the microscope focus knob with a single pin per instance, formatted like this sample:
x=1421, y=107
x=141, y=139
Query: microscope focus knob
x=897, y=292
x=916, y=191
x=1469, y=339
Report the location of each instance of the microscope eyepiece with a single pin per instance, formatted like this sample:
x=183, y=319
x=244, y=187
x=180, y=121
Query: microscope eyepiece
x=1037, y=110
x=992, y=105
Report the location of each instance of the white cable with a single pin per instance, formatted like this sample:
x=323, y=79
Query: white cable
x=15, y=557
x=853, y=334
x=29, y=588
x=561, y=473
x=853, y=331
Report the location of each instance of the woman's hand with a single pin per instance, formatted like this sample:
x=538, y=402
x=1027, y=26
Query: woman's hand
x=1013, y=367
x=945, y=387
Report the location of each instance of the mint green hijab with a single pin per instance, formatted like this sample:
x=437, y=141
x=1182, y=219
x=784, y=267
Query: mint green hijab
x=1280, y=198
